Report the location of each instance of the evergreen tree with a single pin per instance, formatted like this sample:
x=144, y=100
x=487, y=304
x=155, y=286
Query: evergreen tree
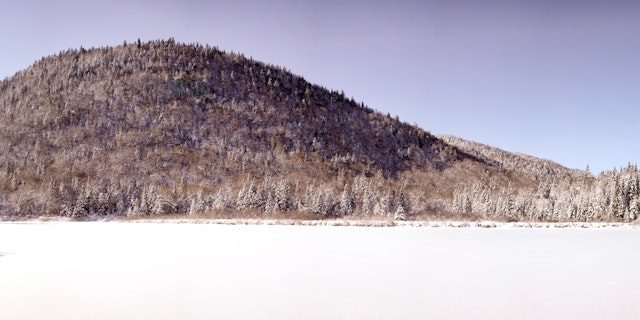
x=634, y=194
x=616, y=208
x=283, y=196
x=250, y=197
x=81, y=208
x=458, y=200
x=369, y=199
x=271, y=205
x=347, y=202
x=401, y=210
x=467, y=204
x=221, y=201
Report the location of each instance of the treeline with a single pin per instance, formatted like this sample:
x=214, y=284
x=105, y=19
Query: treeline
x=612, y=196
x=341, y=196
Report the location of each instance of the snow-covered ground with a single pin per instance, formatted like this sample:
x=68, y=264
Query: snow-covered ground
x=104, y=270
x=393, y=223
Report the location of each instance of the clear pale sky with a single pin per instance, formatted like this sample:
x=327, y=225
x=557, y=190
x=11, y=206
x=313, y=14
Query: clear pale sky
x=555, y=79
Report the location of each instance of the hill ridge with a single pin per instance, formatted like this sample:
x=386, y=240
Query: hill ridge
x=516, y=161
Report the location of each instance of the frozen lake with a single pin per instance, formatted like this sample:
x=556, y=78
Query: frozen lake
x=190, y=271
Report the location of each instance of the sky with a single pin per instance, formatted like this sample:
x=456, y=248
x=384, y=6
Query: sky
x=554, y=79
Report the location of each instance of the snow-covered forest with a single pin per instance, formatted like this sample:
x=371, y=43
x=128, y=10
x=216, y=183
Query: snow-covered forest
x=612, y=196
x=162, y=128
x=560, y=194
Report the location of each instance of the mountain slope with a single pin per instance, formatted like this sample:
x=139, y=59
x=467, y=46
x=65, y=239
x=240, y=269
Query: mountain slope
x=164, y=128
x=182, y=94
x=522, y=163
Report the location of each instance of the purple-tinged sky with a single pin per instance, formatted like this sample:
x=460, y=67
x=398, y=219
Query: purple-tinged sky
x=554, y=79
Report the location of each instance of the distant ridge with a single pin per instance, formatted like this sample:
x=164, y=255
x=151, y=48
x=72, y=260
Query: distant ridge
x=519, y=162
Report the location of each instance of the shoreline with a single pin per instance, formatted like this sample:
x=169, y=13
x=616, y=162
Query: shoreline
x=387, y=224
x=485, y=224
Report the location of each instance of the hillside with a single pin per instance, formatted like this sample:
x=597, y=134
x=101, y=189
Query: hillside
x=523, y=164
x=162, y=128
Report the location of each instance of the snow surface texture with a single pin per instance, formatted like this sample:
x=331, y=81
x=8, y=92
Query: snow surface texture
x=204, y=271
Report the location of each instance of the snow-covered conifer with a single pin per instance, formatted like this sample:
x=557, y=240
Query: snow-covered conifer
x=401, y=210
x=456, y=204
x=282, y=196
x=81, y=208
x=347, y=202
x=103, y=203
x=368, y=199
x=466, y=203
x=616, y=208
x=250, y=197
x=221, y=200
x=384, y=206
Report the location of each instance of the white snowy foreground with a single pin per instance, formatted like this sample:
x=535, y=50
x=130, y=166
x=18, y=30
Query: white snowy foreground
x=104, y=270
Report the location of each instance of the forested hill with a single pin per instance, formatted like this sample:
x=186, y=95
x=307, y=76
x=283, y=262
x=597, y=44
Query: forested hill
x=193, y=95
x=163, y=128
x=524, y=164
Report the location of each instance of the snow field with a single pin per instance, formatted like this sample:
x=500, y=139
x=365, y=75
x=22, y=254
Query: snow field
x=204, y=271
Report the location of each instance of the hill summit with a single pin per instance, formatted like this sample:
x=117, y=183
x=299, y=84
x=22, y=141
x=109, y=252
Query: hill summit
x=163, y=128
